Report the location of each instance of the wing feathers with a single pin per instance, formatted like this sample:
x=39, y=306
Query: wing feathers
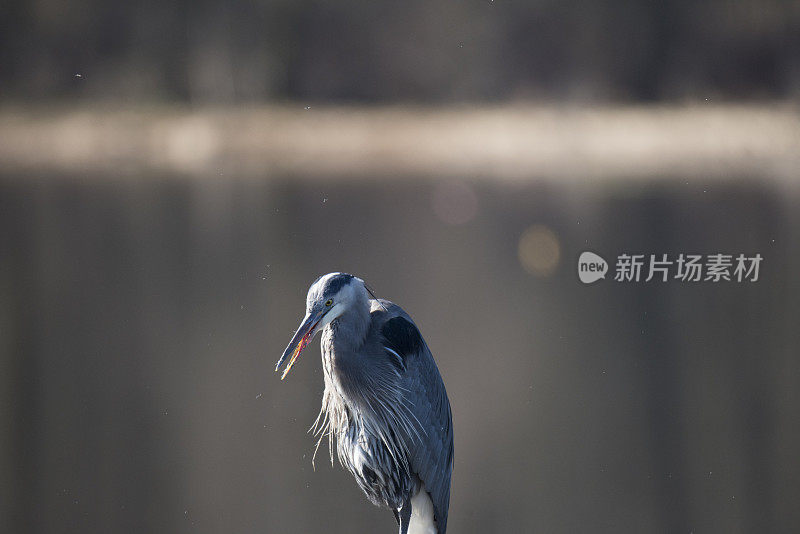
x=431, y=451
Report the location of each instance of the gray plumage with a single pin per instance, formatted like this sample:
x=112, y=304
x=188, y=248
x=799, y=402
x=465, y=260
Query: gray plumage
x=384, y=405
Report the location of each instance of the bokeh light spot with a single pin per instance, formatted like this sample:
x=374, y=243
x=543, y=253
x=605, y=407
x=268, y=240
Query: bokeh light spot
x=454, y=202
x=539, y=250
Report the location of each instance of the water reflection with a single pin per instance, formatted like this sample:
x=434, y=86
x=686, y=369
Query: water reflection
x=141, y=320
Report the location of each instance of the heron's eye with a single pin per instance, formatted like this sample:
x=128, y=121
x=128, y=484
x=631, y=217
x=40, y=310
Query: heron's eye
x=328, y=302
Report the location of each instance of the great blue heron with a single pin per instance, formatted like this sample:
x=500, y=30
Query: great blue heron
x=384, y=402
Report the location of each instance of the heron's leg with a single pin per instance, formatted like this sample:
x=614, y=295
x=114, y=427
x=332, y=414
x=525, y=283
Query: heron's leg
x=405, y=516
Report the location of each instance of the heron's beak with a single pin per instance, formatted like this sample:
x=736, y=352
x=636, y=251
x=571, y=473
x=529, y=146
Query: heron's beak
x=301, y=338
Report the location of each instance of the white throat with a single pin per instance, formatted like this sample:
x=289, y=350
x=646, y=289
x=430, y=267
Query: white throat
x=335, y=312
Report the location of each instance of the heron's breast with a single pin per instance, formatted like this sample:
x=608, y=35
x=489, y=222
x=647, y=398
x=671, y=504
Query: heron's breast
x=378, y=471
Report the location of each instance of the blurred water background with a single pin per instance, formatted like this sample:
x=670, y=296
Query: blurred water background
x=174, y=176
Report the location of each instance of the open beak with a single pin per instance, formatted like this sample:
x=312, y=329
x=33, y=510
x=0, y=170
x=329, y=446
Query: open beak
x=301, y=339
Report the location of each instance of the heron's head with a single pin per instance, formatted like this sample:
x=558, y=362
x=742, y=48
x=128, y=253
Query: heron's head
x=328, y=298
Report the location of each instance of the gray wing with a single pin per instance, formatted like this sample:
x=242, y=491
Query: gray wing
x=431, y=449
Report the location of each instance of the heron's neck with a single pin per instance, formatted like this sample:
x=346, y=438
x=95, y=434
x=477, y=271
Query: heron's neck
x=349, y=330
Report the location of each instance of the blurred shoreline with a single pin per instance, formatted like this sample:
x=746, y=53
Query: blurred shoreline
x=513, y=142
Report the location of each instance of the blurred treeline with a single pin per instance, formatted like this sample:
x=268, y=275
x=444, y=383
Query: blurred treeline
x=416, y=50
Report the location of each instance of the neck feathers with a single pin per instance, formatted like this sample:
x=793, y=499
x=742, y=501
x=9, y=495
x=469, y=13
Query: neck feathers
x=349, y=330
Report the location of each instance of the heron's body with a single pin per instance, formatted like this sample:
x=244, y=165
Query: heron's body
x=385, y=405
